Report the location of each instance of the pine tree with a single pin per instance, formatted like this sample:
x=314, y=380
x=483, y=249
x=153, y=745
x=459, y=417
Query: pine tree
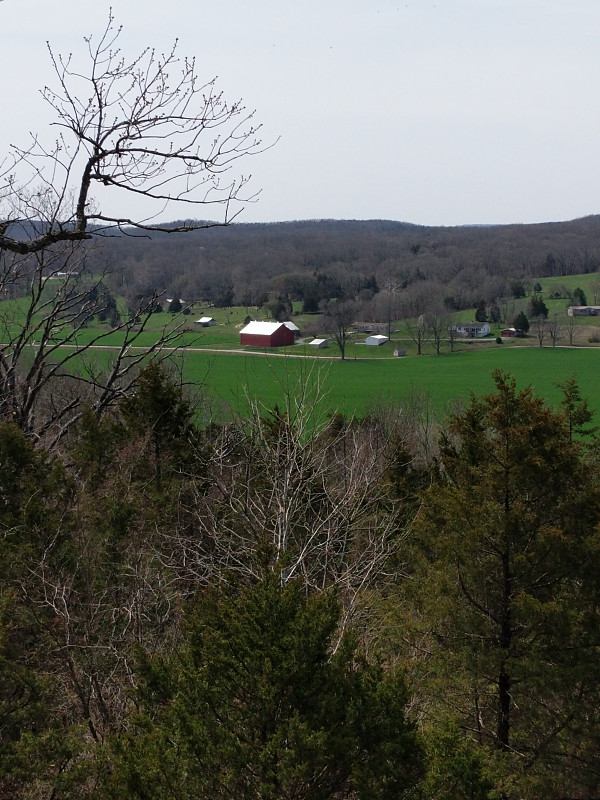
x=576, y=409
x=259, y=703
x=158, y=409
x=521, y=322
x=505, y=535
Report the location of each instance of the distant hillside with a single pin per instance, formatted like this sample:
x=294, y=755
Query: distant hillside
x=250, y=263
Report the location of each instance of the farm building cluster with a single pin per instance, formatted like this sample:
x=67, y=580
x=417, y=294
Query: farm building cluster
x=280, y=334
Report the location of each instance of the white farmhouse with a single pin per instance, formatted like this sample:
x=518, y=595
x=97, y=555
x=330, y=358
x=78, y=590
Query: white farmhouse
x=473, y=330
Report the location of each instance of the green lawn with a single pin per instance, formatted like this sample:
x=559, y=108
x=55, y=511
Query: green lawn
x=352, y=387
x=369, y=376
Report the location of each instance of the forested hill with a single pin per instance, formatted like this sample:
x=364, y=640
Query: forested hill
x=241, y=263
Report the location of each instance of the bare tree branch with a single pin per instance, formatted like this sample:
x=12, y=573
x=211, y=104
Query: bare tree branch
x=145, y=126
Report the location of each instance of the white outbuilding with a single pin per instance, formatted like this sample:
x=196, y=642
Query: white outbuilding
x=292, y=327
x=205, y=322
x=319, y=343
x=376, y=340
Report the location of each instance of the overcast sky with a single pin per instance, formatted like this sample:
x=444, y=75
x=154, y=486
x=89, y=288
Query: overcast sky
x=446, y=112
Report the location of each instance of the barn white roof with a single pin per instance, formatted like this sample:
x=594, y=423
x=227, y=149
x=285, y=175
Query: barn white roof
x=261, y=328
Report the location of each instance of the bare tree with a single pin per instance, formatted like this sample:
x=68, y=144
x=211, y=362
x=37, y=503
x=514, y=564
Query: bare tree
x=437, y=324
x=418, y=330
x=452, y=334
x=145, y=127
x=555, y=329
x=52, y=340
x=540, y=329
x=282, y=495
x=338, y=319
x=573, y=330
x=387, y=302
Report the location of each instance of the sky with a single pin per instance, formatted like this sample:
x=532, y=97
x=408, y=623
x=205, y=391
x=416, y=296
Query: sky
x=443, y=112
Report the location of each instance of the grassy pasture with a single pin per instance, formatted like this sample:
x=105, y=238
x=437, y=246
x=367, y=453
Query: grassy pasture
x=370, y=376
x=353, y=387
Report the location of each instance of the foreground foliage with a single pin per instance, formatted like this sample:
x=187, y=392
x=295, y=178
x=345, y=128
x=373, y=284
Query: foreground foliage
x=275, y=609
x=256, y=704
x=507, y=598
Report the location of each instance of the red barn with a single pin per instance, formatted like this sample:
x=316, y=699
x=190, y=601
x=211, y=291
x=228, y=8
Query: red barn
x=266, y=334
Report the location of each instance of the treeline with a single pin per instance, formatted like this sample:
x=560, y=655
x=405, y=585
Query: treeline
x=366, y=609
x=379, y=263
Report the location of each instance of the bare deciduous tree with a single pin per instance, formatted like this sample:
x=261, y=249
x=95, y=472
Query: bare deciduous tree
x=48, y=337
x=145, y=127
x=339, y=316
x=555, y=329
x=308, y=503
x=437, y=324
x=540, y=329
x=573, y=330
x=419, y=332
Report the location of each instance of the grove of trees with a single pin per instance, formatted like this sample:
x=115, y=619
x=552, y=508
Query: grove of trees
x=273, y=608
x=372, y=263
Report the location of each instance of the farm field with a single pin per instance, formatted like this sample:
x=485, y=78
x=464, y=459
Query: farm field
x=352, y=387
x=370, y=375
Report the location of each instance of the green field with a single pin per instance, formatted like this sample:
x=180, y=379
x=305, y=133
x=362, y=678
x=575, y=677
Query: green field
x=352, y=387
x=370, y=375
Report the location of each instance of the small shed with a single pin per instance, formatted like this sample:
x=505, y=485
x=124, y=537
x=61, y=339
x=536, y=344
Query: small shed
x=320, y=344
x=376, y=340
x=508, y=333
x=266, y=334
x=293, y=327
x=205, y=322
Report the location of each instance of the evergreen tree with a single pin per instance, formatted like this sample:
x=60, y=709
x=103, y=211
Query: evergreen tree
x=518, y=290
x=260, y=703
x=576, y=409
x=537, y=308
x=521, y=322
x=481, y=312
x=506, y=533
x=158, y=409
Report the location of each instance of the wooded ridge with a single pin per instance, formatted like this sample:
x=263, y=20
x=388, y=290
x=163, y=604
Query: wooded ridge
x=247, y=264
